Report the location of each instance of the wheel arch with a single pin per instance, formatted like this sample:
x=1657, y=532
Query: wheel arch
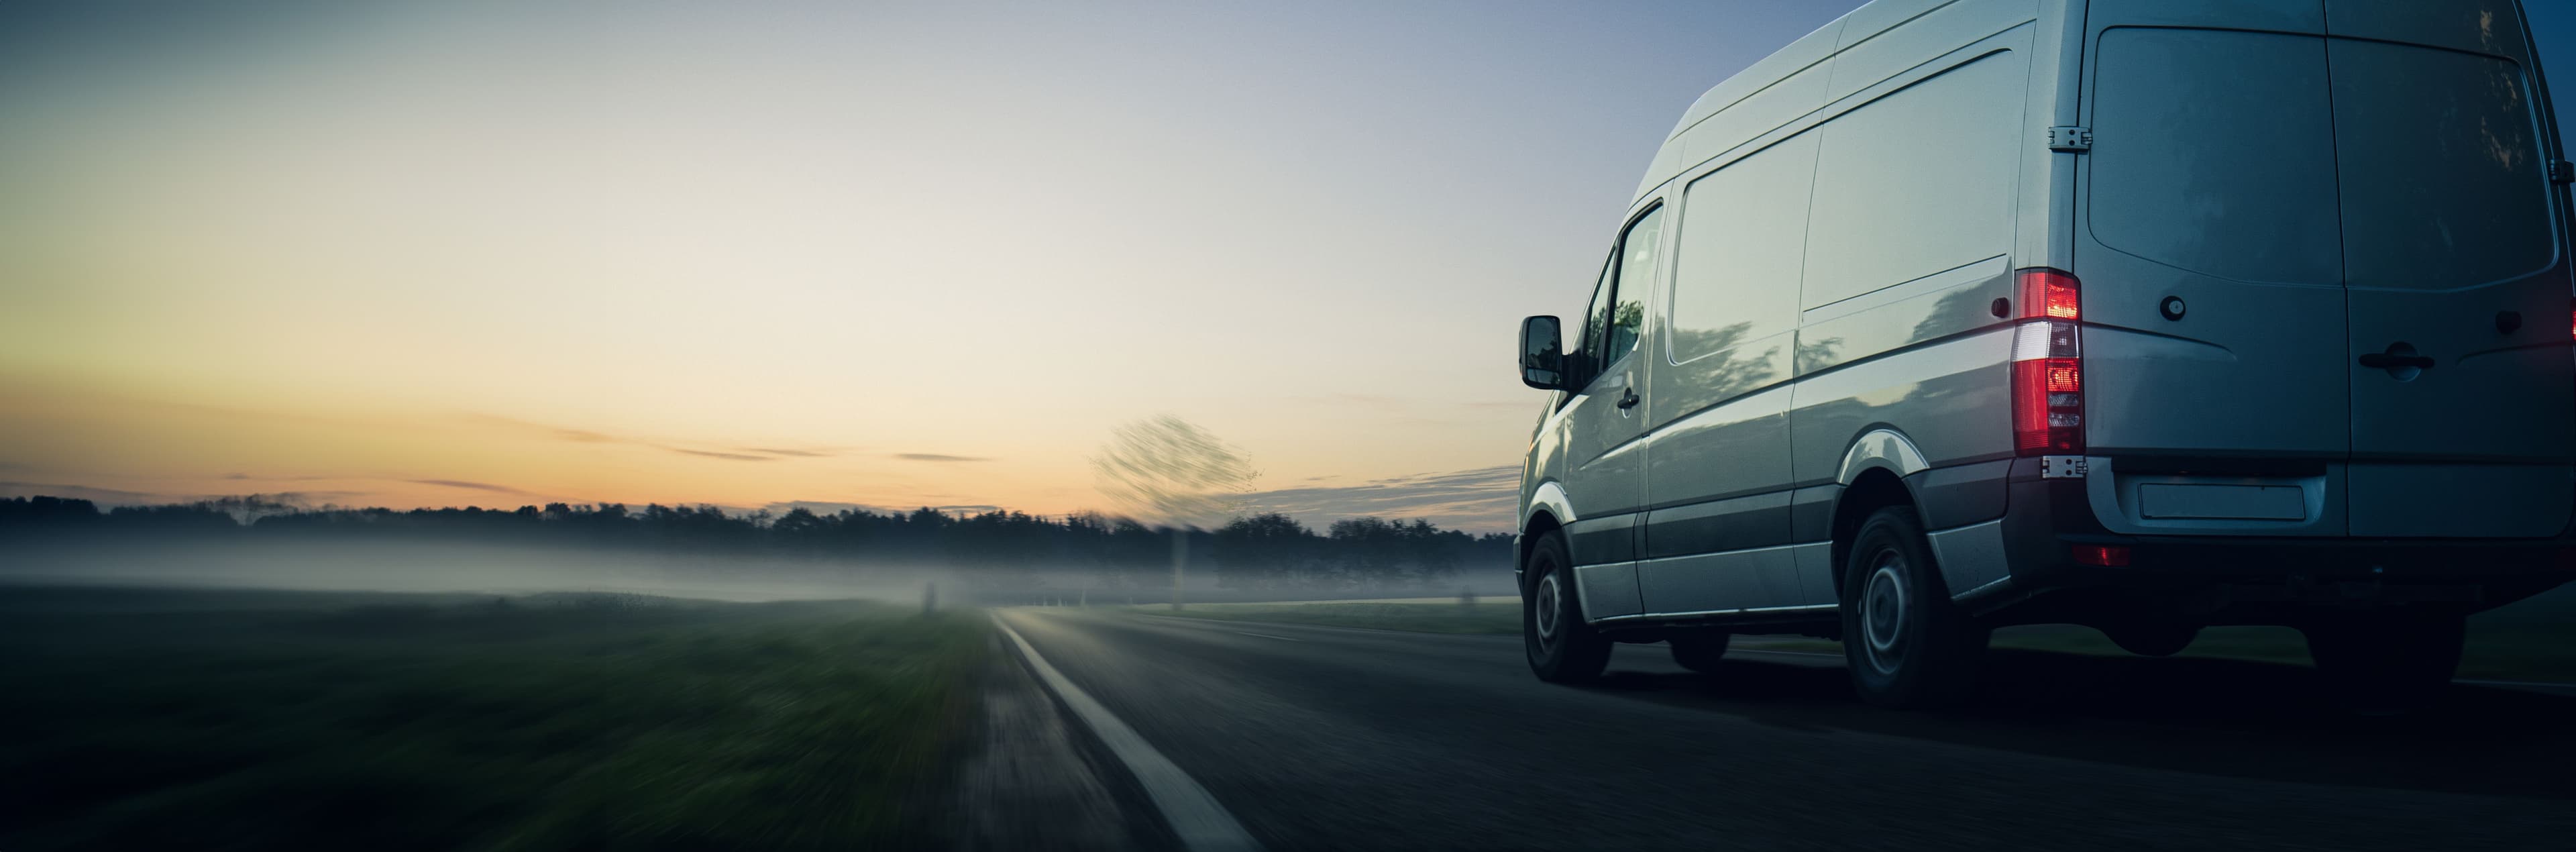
x=1871, y=489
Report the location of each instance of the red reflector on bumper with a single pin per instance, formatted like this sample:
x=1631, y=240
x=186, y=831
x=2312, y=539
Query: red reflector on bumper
x=2106, y=556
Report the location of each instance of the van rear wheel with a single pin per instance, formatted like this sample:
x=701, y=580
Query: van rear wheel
x=2387, y=662
x=1908, y=647
x=1562, y=647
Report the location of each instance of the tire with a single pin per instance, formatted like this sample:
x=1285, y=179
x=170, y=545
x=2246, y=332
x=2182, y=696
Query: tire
x=1699, y=651
x=1908, y=647
x=2387, y=662
x=2154, y=639
x=1562, y=647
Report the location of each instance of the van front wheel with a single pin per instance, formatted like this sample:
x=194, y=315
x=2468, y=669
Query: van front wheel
x=1908, y=647
x=1562, y=647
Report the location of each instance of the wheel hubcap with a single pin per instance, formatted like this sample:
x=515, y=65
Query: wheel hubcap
x=1883, y=605
x=1546, y=602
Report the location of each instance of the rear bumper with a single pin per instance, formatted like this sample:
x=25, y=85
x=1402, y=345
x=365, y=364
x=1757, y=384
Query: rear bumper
x=2047, y=520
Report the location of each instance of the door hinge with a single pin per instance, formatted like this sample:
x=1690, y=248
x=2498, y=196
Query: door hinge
x=2061, y=467
x=2562, y=171
x=2070, y=140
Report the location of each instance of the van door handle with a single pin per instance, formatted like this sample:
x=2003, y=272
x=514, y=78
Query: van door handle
x=2387, y=361
x=1628, y=398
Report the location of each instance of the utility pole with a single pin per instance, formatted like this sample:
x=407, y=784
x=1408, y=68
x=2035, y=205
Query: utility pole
x=1180, y=556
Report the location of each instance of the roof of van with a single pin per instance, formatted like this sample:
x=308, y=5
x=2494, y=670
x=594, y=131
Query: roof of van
x=1794, y=81
x=1764, y=76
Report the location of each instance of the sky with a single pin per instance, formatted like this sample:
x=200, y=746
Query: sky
x=874, y=254
x=869, y=254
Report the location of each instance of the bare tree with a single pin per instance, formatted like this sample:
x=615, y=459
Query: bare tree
x=1168, y=470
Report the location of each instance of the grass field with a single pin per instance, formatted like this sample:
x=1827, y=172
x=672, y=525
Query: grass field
x=258, y=720
x=2534, y=640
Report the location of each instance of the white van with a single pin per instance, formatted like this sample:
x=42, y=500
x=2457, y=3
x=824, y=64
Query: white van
x=2141, y=314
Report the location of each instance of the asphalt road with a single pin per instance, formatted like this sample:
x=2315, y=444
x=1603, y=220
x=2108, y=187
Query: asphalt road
x=1324, y=738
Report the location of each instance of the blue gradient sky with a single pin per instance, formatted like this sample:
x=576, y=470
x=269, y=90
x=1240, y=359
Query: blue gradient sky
x=882, y=254
x=885, y=254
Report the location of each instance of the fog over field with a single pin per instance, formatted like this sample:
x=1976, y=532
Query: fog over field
x=376, y=566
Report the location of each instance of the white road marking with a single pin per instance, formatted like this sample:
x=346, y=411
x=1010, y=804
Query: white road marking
x=1194, y=815
x=1265, y=635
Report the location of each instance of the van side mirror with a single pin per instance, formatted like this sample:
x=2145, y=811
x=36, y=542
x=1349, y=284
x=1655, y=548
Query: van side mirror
x=1543, y=361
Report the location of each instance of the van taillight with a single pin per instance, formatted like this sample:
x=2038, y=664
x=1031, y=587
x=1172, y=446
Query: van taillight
x=2048, y=366
x=2049, y=294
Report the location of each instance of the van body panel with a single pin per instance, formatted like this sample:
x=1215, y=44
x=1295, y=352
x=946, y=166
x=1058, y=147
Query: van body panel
x=1878, y=218
x=2043, y=236
x=2492, y=27
x=1724, y=451
x=2461, y=500
x=1709, y=526
x=1804, y=59
x=2206, y=189
x=2157, y=501
x=2450, y=226
x=1970, y=556
x=2281, y=16
x=1605, y=471
x=1607, y=590
x=1963, y=494
x=1710, y=582
x=1759, y=113
x=1953, y=398
x=1882, y=40
x=1919, y=311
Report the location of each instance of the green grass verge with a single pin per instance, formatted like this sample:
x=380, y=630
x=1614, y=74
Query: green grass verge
x=156, y=720
x=1486, y=616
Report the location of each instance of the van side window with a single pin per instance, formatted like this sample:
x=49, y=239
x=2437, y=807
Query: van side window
x=1638, y=253
x=1596, y=317
x=1917, y=182
x=1736, y=263
x=1617, y=316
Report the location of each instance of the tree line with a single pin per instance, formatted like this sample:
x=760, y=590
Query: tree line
x=1262, y=551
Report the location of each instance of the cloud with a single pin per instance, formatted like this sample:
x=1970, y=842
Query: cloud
x=1480, y=500
x=477, y=486
x=721, y=455
x=586, y=436
x=935, y=457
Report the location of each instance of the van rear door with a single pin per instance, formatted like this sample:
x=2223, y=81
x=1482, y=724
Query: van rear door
x=2319, y=236
x=2208, y=247
x=2463, y=388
